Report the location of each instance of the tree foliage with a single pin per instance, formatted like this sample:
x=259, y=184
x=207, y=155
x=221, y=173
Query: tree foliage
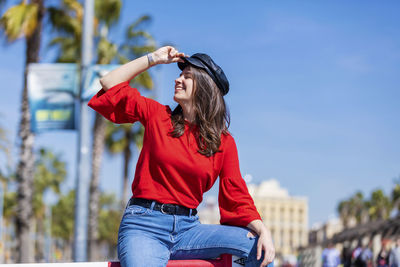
x=19, y=21
x=62, y=219
x=50, y=172
x=377, y=207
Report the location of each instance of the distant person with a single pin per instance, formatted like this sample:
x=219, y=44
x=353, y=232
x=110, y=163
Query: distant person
x=356, y=256
x=346, y=256
x=185, y=150
x=394, y=257
x=382, y=259
x=366, y=256
x=330, y=256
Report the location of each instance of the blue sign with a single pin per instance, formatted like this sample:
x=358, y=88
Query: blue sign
x=52, y=89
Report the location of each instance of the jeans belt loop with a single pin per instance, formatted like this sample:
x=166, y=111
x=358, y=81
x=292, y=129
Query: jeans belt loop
x=152, y=205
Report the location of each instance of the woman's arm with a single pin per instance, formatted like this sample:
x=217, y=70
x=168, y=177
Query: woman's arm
x=264, y=242
x=257, y=226
x=130, y=70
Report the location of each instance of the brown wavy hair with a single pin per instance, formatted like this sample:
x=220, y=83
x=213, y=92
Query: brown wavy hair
x=211, y=114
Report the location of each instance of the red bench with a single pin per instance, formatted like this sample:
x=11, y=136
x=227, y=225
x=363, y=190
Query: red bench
x=225, y=260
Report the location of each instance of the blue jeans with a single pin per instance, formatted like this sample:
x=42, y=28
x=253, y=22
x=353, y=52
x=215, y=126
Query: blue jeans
x=149, y=238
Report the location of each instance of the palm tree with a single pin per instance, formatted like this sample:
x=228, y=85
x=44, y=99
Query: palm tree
x=109, y=219
x=67, y=21
x=353, y=209
x=379, y=205
x=395, y=196
x=344, y=212
x=25, y=21
x=62, y=222
x=358, y=207
x=50, y=172
x=5, y=146
x=107, y=12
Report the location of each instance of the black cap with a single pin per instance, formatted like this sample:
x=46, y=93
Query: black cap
x=203, y=61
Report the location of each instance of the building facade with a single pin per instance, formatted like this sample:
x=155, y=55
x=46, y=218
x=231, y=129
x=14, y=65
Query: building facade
x=286, y=216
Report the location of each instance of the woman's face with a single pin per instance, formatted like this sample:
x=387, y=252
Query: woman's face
x=184, y=87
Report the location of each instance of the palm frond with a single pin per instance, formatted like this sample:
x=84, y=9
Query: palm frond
x=106, y=51
x=143, y=21
x=69, y=47
x=144, y=80
x=63, y=22
x=108, y=11
x=142, y=50
x=19, y=21
x=135, y=34
x=76, y=7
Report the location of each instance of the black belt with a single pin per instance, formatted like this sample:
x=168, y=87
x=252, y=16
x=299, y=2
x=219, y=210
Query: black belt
x=171, y=209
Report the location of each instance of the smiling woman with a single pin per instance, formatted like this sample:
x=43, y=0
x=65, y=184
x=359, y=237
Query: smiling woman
x=203, y=106
x=184, y=86
x=184, y=152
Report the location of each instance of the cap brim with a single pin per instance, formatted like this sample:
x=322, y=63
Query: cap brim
x=191, y=61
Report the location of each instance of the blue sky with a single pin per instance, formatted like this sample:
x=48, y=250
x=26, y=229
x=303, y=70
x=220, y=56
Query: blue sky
x=314, y=96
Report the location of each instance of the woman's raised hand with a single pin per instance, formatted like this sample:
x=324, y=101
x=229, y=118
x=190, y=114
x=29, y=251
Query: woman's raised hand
x=167, y=55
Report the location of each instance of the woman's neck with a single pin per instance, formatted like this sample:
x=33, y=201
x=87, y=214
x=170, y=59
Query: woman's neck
x=188, y=112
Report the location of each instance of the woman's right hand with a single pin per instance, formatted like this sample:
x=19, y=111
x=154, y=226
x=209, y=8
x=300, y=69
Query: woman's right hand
x=167, y=55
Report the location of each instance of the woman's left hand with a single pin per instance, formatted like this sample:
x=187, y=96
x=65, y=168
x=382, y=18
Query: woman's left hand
x=265, y=243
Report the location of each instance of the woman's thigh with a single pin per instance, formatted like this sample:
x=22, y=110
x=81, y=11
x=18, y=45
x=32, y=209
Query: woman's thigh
x=210, y=241
x=137, y=246
x=140, y=250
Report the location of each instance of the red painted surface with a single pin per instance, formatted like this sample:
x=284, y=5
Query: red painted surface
x=224, y=261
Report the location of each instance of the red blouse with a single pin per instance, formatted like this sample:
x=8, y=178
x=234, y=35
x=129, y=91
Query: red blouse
x=171, y=170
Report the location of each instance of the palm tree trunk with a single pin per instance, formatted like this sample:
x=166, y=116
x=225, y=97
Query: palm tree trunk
x=25, y=166
x=127, y=159
x=39, y=248
x=94, y=197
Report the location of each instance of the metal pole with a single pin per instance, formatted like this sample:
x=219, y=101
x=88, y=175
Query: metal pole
x=83, y=175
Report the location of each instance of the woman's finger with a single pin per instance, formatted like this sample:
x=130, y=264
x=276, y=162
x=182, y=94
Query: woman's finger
x=171, y=52
x=265, y=261
x=259, y=250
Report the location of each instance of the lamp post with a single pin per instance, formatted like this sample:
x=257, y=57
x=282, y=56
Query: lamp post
x=83, y=170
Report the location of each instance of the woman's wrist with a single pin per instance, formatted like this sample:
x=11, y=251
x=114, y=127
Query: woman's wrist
x=258, y=226
x=151, y=59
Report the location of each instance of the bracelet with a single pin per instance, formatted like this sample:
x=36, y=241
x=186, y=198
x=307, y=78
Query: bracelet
x=150, y=59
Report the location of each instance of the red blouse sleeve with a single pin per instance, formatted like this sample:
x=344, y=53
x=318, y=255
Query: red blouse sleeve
x=123, y=104
x=236, y=206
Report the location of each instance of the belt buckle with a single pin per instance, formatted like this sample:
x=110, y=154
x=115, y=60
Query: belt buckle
x=171, y=209
x=161, y=209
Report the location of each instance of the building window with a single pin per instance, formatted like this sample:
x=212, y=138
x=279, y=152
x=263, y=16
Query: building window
x=301, y=216
x=300, y=238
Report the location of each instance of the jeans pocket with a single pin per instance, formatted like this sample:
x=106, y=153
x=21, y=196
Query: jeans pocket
x=136, y=210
